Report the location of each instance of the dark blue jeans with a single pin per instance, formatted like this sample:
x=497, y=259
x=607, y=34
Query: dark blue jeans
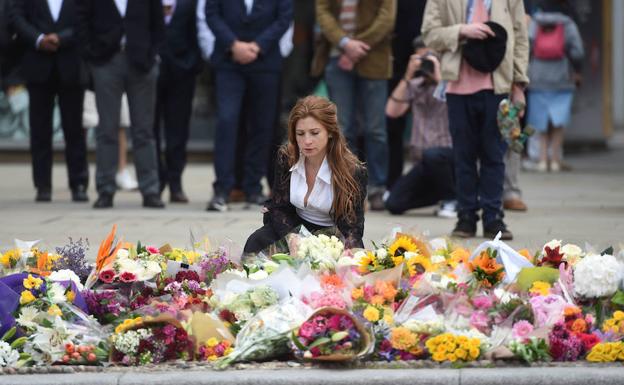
x=344, y=89
x=427, y=183
x=263, y=89
x=479, y=150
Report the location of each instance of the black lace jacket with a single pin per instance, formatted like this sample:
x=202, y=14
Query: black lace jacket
x=282, y=215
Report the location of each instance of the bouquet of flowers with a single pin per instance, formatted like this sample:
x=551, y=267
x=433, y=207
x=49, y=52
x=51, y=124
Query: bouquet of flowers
x=451, y=347
x=330, y=334
x=403, y=249
x=508, y=119
x=320, y=251
x=376, y=302
x=214, y=349
x=11, y=354
x=85, y=354
x=151, y=341
x=486, y=270
x=237, y=309
x=401, y=343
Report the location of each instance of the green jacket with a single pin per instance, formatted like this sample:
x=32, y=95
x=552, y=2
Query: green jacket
x=374, y=25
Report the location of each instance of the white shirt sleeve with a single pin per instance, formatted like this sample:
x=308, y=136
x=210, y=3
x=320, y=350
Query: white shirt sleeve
x=205, y=36
x=286, y=41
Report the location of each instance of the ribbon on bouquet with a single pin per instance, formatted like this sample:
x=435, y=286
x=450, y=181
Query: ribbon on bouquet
x=511, y=260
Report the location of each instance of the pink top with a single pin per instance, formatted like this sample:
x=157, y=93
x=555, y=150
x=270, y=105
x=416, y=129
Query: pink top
x=470, y=80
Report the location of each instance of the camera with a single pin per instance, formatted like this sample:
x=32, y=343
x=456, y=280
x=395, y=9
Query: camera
x=426, y=69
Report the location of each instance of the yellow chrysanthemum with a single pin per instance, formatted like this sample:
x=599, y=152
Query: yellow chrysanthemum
x=618, y=315
x=55, y=310
x=371, y=314
x=400, y=246
x=402, y=338
x=418, y=264
x=212, y=342
x=32, y=282
x=5, y=260
x=70, y=296
x=26, y=297
x=128, y=324
x=540, y=288
x=439, y=357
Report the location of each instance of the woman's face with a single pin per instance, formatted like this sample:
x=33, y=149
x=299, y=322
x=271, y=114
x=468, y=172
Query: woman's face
x=312, y=137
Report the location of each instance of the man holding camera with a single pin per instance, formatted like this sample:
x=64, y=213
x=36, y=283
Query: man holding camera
x=431, y=180
x=485, y=52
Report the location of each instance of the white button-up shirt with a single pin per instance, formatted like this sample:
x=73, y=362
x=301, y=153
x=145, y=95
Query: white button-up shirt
x=321, y=197
x=249, y=5
x=172, y=4
x=122, y=5
x=55, y=8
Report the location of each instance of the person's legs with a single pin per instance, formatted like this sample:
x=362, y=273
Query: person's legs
x=261, y=239
x=341, y=89
x=556, y=148
x=141, y=92
x=263, y=100
x=109, y=82
x=373, y=94
x=440, y=173
x=178, y=109
x=492, y=166
x=41, y=101
x=71, y=104
x=410, y=192
x=512, y=195
x=464, y=127
x=230, y=87
x=163, y=96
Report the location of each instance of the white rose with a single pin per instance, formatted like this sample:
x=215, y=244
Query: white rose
x=381, y=253
x=571, y=253
x=437, y=259
x=123, y=253
x=258, y=275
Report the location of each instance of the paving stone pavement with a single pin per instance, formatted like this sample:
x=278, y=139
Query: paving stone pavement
x=585, y=204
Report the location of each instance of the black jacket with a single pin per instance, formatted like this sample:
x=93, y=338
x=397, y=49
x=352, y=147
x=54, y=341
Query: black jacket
x=282, y=215
x=181, y=48
x=31, y=19
x=101, y=29
x=10, y=50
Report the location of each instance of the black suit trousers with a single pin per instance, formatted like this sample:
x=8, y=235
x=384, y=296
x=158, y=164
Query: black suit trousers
x=70, y=99
x=174, y=105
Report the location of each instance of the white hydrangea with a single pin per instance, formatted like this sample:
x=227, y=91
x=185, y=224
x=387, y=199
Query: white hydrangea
x=571, y=253
x=8, y=355
x=128, y=342
x=597, y=276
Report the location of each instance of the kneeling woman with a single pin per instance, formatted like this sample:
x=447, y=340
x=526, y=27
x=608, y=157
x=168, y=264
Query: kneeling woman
x=318, y=182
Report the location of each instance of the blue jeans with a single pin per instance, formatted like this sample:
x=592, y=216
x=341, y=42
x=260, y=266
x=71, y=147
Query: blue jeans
x=350, y=91
x=231, y=87
x=476, y=138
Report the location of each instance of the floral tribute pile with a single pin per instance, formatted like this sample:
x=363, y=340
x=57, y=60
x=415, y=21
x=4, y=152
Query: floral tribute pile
x=407, y=298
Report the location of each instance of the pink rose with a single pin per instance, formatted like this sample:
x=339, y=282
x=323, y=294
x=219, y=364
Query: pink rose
x=483, y=302
x=152, y=250
x=107, y=276
x=521, y=330
x=334, y=322
x=307, y=330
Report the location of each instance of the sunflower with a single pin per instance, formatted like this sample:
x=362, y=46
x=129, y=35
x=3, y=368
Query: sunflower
x=418, y=264
x=399, y=247
x=364, y=265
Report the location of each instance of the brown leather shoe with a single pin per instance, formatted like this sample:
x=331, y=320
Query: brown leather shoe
x=514, y=204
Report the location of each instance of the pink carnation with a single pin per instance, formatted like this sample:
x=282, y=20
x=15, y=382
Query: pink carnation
x=521, y=330
x=479, y=320
x=483, y=302
x=547, y=309
x=152, y=250
x=327, y=299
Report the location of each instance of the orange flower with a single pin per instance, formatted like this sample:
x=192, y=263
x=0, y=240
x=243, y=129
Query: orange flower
x=377, y=300
x=332, y=280
x=526, y=254
x=579, y=326
x=486, y=263
x=570, y=311
x=386, y=289
x=357, y=293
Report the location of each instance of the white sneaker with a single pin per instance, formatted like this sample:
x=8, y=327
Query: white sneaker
x=542, y=166
x=448, y=209
x=555, y=166
x=125, y=181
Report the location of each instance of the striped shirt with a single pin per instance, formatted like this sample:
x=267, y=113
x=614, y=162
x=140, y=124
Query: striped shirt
x=347, y=16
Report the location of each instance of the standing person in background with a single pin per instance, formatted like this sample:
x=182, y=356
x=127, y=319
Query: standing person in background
x=355, y=53
x=555, y=71
x=179, y=65
x=120, y=40
x=474, y=94
x=246, y=58
x=51, y=67
x=406, y=29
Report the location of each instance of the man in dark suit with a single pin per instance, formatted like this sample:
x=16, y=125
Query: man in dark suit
x=246, y=59
x=51, y=67
x=180, y=63
x=120, y=39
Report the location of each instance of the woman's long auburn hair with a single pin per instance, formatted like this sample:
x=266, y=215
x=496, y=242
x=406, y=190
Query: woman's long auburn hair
x=341, y=160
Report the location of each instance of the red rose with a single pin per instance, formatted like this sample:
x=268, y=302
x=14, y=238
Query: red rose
x=128, y=277
x=589, y=340
x=107, y=276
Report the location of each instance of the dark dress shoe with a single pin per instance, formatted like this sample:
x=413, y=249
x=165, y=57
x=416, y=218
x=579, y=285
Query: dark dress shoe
x=79, y=194
x=153, y=201
x=104, y=201
x=43, y=195
x=178, y=197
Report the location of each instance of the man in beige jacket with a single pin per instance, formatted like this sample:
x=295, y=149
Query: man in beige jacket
x=473, y=98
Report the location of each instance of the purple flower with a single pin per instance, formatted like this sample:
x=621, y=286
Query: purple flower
x=74, y=257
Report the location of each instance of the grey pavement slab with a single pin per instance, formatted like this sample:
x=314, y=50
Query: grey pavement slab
x=582, y=205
